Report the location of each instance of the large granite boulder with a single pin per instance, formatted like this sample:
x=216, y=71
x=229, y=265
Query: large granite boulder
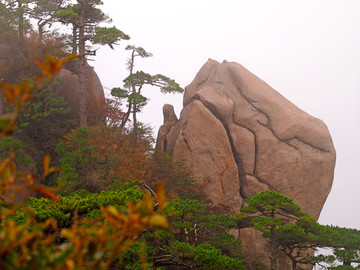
x=236, y=132
x=66, y=85
x=239, y=137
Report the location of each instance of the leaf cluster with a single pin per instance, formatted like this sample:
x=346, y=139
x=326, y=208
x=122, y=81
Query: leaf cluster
x=204, y=256
x=87, y=244
x=84, y=204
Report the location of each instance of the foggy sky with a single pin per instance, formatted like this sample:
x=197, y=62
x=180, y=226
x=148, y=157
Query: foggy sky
x=308, y=50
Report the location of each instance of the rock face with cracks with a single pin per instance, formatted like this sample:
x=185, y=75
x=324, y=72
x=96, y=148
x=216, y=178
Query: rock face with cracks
x=239, y=137
x=68, y=88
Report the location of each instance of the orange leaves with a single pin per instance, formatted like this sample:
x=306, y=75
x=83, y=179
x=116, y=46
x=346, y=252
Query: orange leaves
x=47, y=170
x=139, y=216
x=161, y=197
x=46, y=164
x=21, y=185
x=7, y=174
x=17, y=94
x=100, y=241
x=47, y=192
x=51, y=66
x=129, y=226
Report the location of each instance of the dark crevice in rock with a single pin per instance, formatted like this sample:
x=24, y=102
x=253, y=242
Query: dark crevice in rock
x=165, y=144
x=184, y=138
x=252, y=103
x=262, y=181
x=222, y=184
x=255, y=144
x=236, y=156
x=313, y=146
x=248, y=99
x=256, y=156
x=186, y=143
x=281, y=140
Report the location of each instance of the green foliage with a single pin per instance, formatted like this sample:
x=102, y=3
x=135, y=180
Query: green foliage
x=75, y=158
x=85, y=203
x=47, y=116
x=92, y=16
x=93, y=158
x=176, y=177
x=184, y=208
x=227, y=243
x=6, y=19
x=271, y=213
x=47, y=107
x=269, y=201
x=295, y=233
x=205, y=256
x=269, y=210
x=346, y=244
x=8, y=144
x=134, y=83
x=343, y=267
x=131, y=258
x=90, y=243
x=191, y=215
x=140, y=78
x=108, y=35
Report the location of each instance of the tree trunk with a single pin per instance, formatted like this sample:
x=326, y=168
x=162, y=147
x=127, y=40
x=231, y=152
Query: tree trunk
x=273, y=246
x=125, y=118
x=289, y=254
x=134, y=91
x=74, y=40
x=21, y=23
x=273, y=252
x=82, y=63
x=134, y=118
x=41, y=25
x=41, y=33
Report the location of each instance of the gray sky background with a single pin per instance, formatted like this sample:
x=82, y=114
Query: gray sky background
x=308, y=50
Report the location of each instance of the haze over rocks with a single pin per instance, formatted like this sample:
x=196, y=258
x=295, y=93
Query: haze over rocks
x=239, y=136
x=67, y=86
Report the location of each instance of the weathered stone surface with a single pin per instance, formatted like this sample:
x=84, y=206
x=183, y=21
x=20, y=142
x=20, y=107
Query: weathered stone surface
x=170, y=120
x=67, y=86
x=66, y=83
x=273, y=143
x=193, y=141
x=243, y=135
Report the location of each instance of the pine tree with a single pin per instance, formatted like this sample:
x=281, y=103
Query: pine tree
x=85, y=17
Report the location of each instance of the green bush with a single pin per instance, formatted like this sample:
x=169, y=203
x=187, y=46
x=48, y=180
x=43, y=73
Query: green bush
x=85, y=203
x=206, y=256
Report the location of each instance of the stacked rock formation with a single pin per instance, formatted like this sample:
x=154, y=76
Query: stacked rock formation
x=239, y=136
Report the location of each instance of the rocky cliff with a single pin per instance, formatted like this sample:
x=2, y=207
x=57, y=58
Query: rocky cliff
x=66, y=85
x=239, y=136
